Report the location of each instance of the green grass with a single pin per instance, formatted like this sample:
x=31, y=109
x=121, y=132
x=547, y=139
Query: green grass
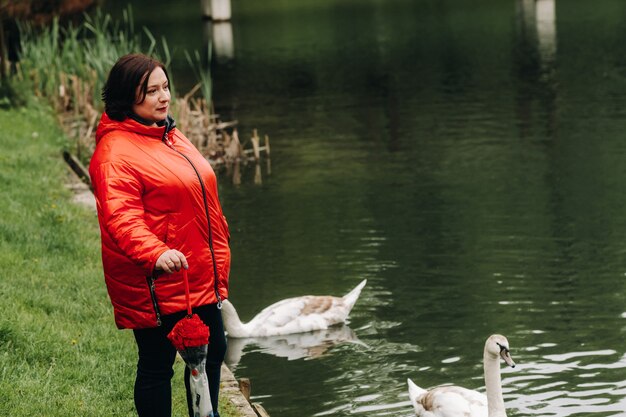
x=60, y=352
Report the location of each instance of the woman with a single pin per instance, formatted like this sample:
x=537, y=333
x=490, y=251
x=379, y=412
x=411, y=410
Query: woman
x=159, y=212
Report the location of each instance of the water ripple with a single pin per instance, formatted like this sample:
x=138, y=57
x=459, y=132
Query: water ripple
x=556, y=387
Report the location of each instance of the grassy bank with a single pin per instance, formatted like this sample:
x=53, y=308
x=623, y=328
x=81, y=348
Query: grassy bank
x=60, y=352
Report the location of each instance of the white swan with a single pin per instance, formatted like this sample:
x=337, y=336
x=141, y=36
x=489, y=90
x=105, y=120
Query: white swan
x=453, y=401
x=293, y=315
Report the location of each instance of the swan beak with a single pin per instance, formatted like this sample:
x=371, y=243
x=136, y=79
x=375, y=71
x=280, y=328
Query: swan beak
x=506, y=356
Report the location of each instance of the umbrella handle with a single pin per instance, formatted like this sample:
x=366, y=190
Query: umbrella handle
x=187, y=292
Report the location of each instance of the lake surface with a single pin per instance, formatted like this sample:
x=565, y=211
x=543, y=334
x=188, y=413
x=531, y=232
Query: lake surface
x=467, y=158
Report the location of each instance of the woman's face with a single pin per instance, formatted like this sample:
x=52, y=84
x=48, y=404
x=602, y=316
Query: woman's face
x=155, y=105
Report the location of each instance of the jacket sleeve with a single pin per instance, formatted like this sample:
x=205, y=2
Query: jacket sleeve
x=118, y=191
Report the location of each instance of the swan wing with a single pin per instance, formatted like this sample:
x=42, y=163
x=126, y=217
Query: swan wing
x=280, y=312
x=299, y=314
x=450, y=401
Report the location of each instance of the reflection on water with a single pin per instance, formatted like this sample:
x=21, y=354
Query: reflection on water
x=220, y=36
x=538, y=19
x=546, y=29
x=310, y=345
x=466, y=158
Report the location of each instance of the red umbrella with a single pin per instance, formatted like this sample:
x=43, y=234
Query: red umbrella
x=190, y=337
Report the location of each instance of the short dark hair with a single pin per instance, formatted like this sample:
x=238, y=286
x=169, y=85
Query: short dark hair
x=127, y=74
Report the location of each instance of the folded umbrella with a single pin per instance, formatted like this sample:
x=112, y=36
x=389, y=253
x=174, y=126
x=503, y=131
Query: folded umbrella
x=190, y=337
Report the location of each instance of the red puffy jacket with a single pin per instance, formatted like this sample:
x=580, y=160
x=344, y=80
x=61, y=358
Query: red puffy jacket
x=154, y=192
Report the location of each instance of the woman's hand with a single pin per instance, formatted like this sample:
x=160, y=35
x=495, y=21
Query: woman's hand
x=171, y=260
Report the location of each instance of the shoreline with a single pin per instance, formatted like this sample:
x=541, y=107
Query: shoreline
x=231, y=388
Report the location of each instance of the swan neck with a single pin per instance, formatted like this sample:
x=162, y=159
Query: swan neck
x=232, y=322
x=493, y=385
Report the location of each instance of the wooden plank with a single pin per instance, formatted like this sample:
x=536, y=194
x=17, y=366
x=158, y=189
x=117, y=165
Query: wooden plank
x=259, y=410
x=78, y=168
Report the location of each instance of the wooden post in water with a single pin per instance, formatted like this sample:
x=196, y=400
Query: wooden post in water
x=255, y=145
x=220, y=10
x=217, y=29
x=267, y=146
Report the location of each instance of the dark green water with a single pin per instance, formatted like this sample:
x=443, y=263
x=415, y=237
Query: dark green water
x=467, y=158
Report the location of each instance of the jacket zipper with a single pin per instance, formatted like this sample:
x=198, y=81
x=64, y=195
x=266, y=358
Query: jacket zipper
x=169, y=144
x=155, y=305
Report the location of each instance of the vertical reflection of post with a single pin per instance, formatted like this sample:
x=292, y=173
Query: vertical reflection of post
x=237, y=173
x=223, y=45
x=545, y=17
x=267, y=155
x=527, y=10
x=525, y=63
x=207, y=40
x=258, y=178
x=534, y=60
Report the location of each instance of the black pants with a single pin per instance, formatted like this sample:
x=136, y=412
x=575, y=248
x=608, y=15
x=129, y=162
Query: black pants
x=153, y=389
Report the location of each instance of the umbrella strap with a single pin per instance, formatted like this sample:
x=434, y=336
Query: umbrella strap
x=187, y=292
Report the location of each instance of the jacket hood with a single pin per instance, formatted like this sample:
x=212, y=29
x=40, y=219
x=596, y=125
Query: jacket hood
x=133, y=124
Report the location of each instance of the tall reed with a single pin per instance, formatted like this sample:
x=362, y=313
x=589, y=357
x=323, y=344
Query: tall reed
x=68, y=65
x=51, y=55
